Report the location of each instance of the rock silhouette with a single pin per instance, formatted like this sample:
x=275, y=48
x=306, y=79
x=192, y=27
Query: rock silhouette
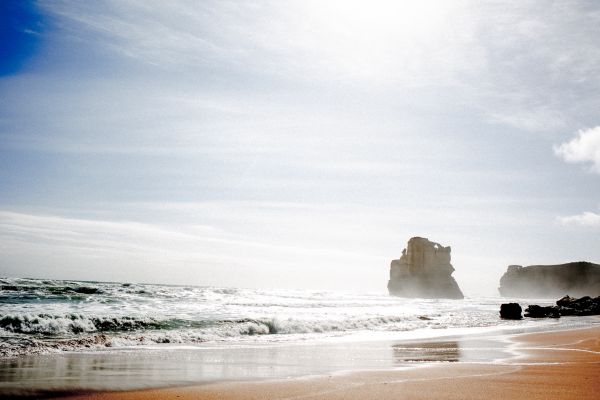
x=510, y=311
x=535, y=311
x=550, y=281
x=423, y=270
x=583, y=306
x=566, y=306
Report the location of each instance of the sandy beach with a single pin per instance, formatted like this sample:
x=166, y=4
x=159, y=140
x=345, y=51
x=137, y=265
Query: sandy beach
x=548, y=365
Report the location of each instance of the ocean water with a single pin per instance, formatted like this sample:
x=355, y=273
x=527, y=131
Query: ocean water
x=45, y=316
x=58, y=336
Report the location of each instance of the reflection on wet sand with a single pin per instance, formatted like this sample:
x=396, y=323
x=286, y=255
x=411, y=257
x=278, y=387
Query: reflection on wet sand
x=464, y=349
x=426, y=352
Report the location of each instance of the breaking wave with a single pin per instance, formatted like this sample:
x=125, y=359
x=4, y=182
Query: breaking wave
x=72, y=324
x=46, y=324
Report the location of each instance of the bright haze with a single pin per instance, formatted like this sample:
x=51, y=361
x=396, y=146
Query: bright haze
x=296, y=144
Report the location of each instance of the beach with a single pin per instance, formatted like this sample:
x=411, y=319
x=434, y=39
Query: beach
x=546, y=365
x=99, y=339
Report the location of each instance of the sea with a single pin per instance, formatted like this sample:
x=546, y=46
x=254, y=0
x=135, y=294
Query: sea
x=74, y=335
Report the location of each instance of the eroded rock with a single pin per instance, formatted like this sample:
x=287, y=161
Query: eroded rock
x=551, y=281
x=423, y=270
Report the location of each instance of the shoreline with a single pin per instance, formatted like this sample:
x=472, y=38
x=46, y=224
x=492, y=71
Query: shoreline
x=556, y=364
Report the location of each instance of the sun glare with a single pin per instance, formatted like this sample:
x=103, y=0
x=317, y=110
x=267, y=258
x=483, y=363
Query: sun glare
x=377, y=39
x=382, y=16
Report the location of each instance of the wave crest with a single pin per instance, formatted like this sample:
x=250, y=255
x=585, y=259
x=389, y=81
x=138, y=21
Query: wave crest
x=47, y=324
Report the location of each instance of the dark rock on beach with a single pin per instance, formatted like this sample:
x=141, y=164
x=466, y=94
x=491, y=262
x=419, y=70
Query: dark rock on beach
x=535, y=311
x=423, y=270
x=510, y=311
x=583, y=306
x=543, y=281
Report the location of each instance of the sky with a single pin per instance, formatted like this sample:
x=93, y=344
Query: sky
x=296, y=144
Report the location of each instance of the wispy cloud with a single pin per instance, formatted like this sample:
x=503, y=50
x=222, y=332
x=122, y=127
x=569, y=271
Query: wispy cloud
x=587, y=219
x=127, y=237
x=497, y=57
x=528, y=118
x=584, y=148
x=380, y=41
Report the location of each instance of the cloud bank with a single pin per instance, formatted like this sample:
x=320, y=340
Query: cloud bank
x=588, y=218
x=585, y=148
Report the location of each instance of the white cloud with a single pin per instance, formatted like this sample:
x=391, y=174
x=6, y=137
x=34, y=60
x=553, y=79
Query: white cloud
x=587, y=218
x=585, y=148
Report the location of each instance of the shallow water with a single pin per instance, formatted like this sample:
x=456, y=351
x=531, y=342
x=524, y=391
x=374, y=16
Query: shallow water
x=134, y=369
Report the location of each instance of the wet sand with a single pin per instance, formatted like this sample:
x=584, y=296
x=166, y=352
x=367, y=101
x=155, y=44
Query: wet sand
x=549, y=365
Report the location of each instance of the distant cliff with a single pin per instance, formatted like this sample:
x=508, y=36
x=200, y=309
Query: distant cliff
x=575, y=279
x=423, y=270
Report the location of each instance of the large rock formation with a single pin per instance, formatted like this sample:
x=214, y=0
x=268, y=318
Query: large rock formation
x=423, y=270
x=551, y=281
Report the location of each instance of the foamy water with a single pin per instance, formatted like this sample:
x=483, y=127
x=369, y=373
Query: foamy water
x=46, y=316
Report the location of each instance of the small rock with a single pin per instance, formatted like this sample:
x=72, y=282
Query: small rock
x=510, y=311
x=535, y=311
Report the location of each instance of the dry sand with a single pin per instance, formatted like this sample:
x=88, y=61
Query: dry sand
x=550, y=365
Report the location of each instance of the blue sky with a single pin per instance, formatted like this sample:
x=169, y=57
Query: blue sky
x=296, y=143
x=20, y=28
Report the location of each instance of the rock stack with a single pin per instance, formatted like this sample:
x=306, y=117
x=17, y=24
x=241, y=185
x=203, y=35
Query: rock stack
x=423, y=270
